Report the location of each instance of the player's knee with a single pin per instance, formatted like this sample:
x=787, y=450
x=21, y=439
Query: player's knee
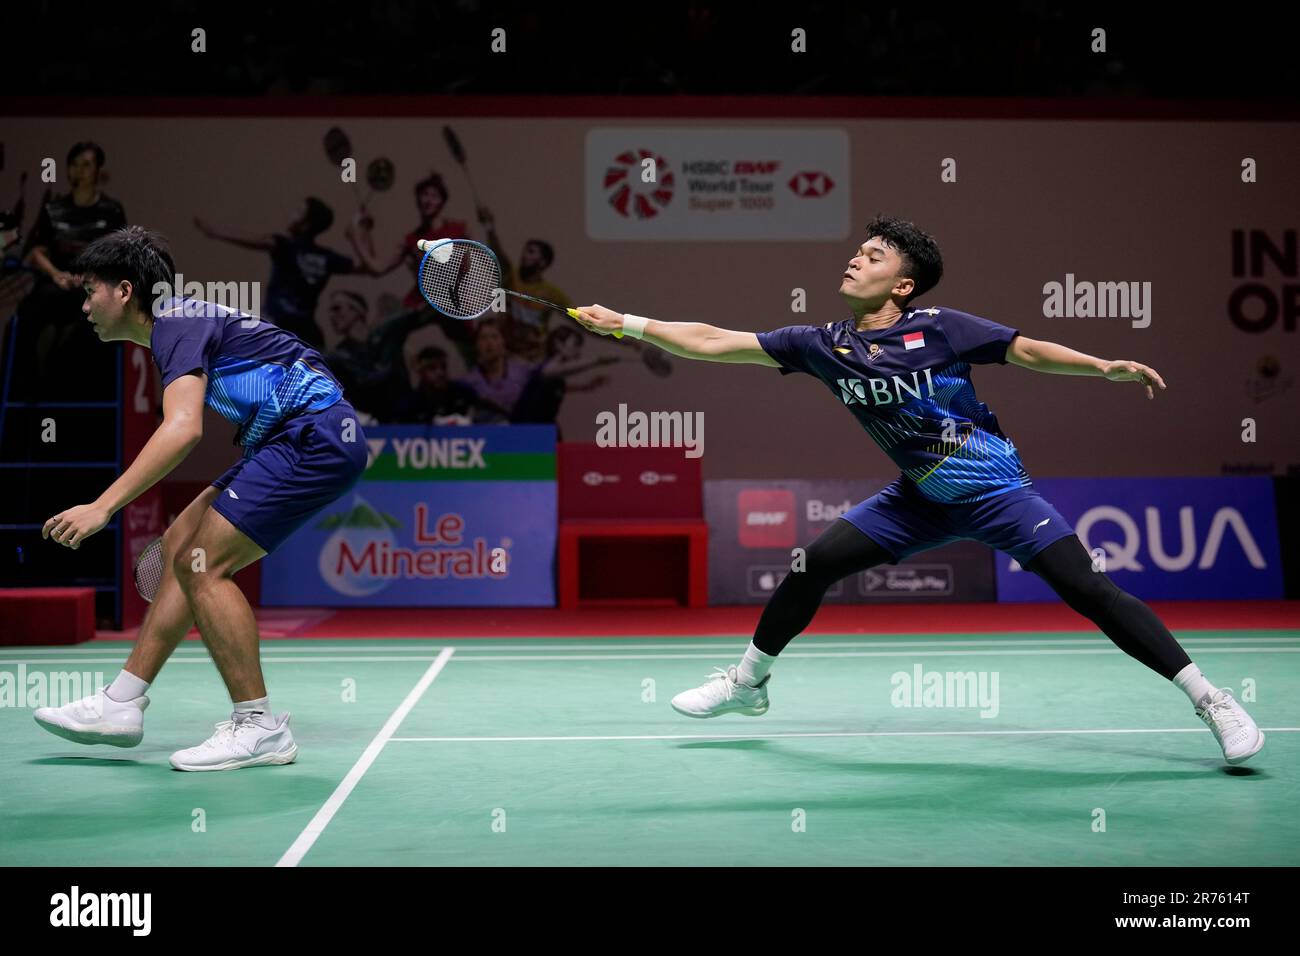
x=814, y=576
x=1092, y=595
x=183, y=567
x=193, y=567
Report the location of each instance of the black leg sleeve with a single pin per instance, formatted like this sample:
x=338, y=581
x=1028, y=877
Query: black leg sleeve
x=839, y=551
x=1134, y=627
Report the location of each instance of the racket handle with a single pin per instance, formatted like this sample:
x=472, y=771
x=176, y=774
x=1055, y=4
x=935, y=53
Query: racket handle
x=573, y=314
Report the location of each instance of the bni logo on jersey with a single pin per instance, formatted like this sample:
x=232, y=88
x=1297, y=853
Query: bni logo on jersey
x=766, y=518
x=639, y=183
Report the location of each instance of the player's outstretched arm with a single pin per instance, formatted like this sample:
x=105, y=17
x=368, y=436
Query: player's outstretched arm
x=262, y=242
x=1050, y=357
x=692, y=340
x=180, y=431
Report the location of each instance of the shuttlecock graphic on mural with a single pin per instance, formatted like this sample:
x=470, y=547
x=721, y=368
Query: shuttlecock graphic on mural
x=359, y=531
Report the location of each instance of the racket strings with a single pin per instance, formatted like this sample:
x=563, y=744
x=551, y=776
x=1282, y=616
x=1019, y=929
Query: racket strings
x=465, y=285
x=149, y=571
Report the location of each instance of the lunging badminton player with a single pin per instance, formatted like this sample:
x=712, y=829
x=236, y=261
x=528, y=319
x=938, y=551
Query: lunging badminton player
x=904, y=373
x=303, y=448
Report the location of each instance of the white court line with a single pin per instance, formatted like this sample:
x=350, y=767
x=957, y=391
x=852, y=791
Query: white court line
x=871, y=733
x=321, y=820
x=526, y=644
x=901, y=652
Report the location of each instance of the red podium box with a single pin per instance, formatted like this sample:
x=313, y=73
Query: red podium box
x=631, y=530
x=46, y=615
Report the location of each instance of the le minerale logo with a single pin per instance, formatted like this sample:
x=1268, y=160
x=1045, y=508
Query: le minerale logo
x=103, y=909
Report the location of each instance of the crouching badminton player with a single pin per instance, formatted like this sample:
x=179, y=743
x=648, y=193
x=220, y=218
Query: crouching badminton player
x=303, y=448
x=904, y=373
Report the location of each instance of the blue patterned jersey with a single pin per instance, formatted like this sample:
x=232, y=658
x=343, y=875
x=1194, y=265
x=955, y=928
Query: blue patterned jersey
x=909, y=386
x=258, y=374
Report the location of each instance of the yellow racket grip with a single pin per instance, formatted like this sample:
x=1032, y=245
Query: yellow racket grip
x=573, y=314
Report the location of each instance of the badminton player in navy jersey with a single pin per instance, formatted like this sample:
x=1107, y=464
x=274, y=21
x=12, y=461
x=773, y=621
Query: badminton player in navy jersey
x=303, y=448
x=903, y=370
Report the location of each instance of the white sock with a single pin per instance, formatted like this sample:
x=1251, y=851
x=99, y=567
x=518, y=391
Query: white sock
x=260, y=709
x=126, y=687
x=1193, y=683
x=753, y=667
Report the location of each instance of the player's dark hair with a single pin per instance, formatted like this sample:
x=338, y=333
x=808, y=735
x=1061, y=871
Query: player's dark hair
x=548, y=251
x=431, y=353
x=922, y=260
x=432, y=181
x=79, y=148
x=132, y=253
x=319, y=216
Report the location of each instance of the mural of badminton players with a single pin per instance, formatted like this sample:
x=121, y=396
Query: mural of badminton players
x=552, y=379
x=54, y=332
x=495, y=376
x=437, y=400
x=430, y=200
x=300, y=267
x=366, y=379
x=526, y=323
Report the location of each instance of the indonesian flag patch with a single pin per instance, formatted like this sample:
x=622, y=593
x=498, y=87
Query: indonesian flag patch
x=914, y=340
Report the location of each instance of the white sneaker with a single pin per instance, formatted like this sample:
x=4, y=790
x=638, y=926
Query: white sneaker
x=97, y=719
x=723, y=693
x=1232, y=726
x=240, y=742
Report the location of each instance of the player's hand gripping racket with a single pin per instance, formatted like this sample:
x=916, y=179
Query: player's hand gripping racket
x=461, y=278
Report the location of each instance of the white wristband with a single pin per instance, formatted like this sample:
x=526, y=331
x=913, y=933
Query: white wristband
x=634, y=325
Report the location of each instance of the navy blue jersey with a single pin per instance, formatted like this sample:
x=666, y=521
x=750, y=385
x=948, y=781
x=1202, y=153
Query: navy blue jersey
x=258, y=374
x=909, y=386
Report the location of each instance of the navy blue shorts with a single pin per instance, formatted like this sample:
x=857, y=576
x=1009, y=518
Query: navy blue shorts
x=903, y=521
x=304, y=465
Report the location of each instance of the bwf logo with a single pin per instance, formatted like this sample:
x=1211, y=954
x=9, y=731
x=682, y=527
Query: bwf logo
x=766, y=518
x=103, y=909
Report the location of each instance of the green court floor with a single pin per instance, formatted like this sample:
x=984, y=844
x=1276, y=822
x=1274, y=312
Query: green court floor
x=544, y=751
